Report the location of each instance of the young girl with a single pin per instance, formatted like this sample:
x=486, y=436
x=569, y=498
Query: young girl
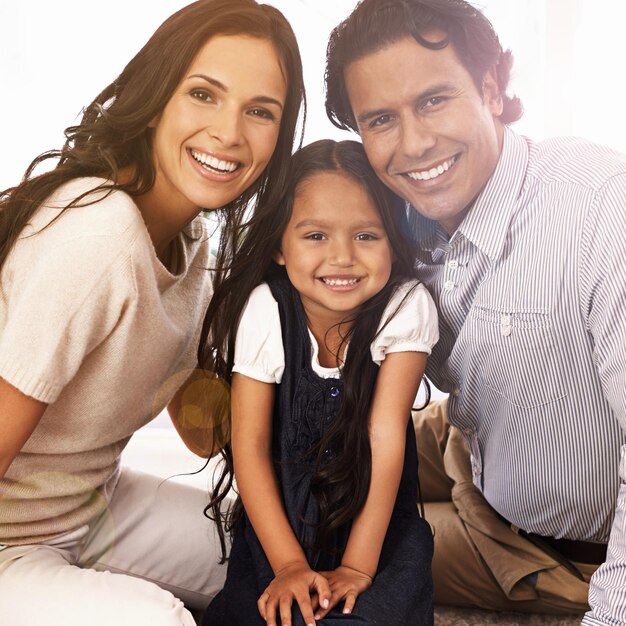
x=323, y=446
x=103, y=286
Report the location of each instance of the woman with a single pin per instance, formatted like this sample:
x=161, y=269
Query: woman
x=103, y=286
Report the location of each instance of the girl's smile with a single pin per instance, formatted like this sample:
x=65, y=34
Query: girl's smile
x=335, y=248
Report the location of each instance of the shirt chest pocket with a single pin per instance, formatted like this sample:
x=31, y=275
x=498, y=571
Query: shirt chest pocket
x=517, y=355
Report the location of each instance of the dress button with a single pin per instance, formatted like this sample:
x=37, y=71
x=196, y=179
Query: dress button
x=456, y=392
x=453, y=264
x=334, y=392
x=448, y=285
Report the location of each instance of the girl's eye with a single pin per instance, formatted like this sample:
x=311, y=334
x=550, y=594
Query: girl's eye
x=201, y=94
x=263, y=114
x=366, y=237
x=315, y=237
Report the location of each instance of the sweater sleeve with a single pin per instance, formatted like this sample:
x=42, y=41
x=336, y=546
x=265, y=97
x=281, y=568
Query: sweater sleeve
x=409, y=323
x=259, y=352
x=65, y=291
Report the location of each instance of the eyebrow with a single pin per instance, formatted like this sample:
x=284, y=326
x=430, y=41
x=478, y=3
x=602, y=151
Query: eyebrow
x=308, y=223
x=219, y=85
x=428, y=93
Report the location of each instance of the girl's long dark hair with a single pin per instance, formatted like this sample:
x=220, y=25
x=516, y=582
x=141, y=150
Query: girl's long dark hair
x=340, y=486
x=114, y=133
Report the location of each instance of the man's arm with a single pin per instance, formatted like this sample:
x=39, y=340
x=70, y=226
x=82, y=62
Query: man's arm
x=602, y=274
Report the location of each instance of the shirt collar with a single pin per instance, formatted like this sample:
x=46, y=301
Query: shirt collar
x=486, y=223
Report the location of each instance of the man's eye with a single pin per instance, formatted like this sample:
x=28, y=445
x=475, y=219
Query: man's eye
x=381, y=120
x=434, y=101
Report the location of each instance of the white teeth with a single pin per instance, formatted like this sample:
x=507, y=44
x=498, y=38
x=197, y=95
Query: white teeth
x=432, y=172
x=215, y=164
x=335, y=282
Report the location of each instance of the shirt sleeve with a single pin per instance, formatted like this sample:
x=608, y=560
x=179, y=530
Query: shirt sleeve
x=409, y=323
x=65, y=291
x=259, y=352
x=603, y=303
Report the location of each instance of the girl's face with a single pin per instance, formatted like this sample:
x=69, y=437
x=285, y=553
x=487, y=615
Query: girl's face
x=219, y=129
x=335, y=248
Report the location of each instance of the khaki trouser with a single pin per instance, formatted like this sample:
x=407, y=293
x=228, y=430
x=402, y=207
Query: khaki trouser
x=479, y=560
x=150, y=550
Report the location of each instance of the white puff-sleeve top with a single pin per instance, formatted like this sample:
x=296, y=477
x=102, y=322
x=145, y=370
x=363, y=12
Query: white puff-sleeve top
x=259, y=350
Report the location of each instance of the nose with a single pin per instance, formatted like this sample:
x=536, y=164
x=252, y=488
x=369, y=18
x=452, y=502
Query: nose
x=341, y=253
x=226, y=126
x=417, y=137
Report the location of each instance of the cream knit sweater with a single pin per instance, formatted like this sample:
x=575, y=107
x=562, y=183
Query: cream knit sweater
x=94, y=325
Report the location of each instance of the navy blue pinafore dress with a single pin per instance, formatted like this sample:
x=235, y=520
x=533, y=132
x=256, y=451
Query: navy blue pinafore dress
x=305, y=404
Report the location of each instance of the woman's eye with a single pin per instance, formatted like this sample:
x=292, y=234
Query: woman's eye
x=263, y=113
x=201, y=94
x=315, y=237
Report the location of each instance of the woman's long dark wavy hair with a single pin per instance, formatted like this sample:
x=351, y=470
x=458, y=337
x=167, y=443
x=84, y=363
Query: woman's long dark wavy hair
x=114, y=134
x=340, y=486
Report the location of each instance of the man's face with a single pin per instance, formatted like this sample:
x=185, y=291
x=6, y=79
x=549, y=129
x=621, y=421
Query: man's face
x=429, y=134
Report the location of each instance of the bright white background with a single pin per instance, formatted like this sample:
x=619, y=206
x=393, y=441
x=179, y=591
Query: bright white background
x=56, y=56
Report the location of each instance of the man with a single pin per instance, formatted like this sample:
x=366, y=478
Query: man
x=522, y=246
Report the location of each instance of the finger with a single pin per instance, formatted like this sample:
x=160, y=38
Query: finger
x=348, y=605
x=270, y=611
x=322, y=612
x=304, y=602
x=261, y=603
x=315, y=602
x=321, y=586
x=285, y=611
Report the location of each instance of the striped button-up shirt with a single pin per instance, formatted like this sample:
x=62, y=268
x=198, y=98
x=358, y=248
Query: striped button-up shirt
x=531, y=292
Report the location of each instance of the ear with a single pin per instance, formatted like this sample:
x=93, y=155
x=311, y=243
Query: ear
x=154, y=122
x=491, y=92
x=278, y=257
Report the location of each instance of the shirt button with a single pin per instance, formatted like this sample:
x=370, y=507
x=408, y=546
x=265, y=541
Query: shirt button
x=334, y=392
x=505, y=325
x=477, y=470
x=453, y=264
x=448, y=285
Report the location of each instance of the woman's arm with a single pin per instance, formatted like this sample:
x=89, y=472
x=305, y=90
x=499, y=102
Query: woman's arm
x=19, y=415
x=200, y=412
x=252, y=409
x=396, y=387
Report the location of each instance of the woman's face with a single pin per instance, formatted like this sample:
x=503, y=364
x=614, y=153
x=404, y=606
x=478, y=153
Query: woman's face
x=220, y=127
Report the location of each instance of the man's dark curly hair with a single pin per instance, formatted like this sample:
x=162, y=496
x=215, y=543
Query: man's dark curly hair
x=375, y=24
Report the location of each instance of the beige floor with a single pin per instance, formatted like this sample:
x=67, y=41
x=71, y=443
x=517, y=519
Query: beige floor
x=453, y=616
